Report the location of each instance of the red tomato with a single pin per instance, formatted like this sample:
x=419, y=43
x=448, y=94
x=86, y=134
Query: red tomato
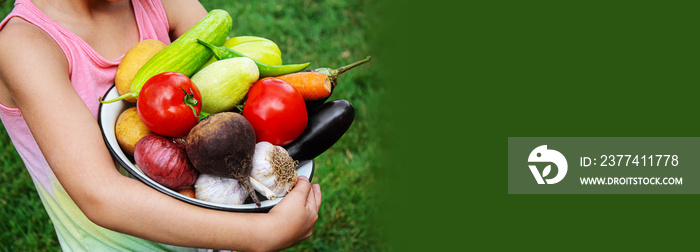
x=276, y=111
x=169, y=104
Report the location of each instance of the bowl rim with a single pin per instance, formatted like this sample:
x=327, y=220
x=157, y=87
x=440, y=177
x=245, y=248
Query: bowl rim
x=151, y=183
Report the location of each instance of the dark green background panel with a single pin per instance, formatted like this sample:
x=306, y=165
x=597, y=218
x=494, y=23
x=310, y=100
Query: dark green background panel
x=466, y=75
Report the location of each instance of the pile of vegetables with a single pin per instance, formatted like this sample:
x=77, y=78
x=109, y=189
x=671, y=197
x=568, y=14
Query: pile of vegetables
x=220, y=119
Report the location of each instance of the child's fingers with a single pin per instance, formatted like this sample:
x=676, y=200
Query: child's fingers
x=311, y=199
x=301, y=189
x=316, y=189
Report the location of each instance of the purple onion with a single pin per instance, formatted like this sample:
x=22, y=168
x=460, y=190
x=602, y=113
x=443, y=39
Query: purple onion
x=165, y=161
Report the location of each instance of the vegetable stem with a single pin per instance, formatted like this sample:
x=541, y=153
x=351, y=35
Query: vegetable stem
x=190, y=101
x=218, y=51
x=269, y=194
x=333, y=73
x=202, y=115
x=265, y=70
x=348, y=67
x=116, y=99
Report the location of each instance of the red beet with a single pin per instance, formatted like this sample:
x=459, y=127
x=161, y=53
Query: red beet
x=165, y=161
x=223, y=144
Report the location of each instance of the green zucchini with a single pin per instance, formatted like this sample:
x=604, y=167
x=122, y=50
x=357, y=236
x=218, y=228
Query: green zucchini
x=184, y=55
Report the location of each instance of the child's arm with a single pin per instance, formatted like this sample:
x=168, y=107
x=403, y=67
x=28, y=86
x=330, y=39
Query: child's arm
x=182, y=14
x=34, y=70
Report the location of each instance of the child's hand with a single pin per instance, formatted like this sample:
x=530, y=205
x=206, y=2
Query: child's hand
x=294, y=217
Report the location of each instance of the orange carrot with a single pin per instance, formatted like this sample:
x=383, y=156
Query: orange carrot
x=319, y=83
x=189, y=192
x=311, y=85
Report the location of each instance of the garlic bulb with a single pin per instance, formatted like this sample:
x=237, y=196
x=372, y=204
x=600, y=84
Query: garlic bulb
x=274, y=169
x=219, y=190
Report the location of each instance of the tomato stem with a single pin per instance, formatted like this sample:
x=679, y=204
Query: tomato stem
x=239, y=107
x=202, y=115
x=190, y=101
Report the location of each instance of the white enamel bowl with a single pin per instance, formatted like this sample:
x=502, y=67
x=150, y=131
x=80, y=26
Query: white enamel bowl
x=107, y=118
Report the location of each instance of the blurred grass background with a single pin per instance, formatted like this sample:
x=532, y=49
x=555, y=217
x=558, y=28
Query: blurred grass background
x=328, y=33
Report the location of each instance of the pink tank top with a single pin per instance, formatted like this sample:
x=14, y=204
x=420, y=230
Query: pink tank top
x=91, y=76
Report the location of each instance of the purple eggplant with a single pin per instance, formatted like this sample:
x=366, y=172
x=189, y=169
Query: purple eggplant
x=325, y=127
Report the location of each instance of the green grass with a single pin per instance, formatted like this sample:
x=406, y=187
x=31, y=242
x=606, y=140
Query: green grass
x=24, y=223
x=329, y=33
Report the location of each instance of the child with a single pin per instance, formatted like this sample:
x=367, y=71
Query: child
x=57, y=58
